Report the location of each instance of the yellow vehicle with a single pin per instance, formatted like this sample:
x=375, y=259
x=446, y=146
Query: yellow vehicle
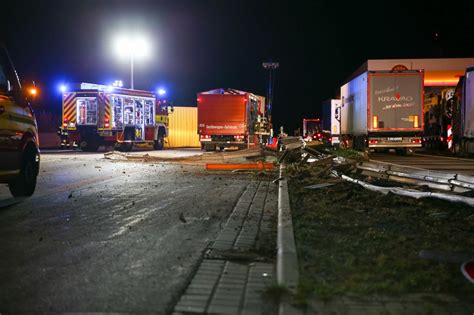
x=19, y=144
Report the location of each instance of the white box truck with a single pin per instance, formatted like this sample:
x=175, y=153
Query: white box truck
x=382, y=110
x=331, y=109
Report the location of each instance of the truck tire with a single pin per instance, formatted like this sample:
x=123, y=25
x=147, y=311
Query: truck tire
x=209, y=147
x=90, y=145
x=159, y=143
x=25, y=183
x=127, y=146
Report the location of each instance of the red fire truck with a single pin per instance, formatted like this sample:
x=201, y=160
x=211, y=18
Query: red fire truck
x=231, y=118
x=95, y=115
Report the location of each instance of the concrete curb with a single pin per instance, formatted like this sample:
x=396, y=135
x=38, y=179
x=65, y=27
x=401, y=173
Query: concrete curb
x=287, y=260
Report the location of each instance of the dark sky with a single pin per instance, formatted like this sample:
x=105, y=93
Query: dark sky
x=199, y=45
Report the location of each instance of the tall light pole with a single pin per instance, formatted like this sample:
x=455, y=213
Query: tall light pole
x=270, y=66
x=131, y=71
x=132, y=47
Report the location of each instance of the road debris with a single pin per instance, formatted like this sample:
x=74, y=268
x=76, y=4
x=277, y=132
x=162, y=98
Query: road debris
x=182, y=218
x=322, y=162
x=316, y=186
x=411, y=192
x=239, y=166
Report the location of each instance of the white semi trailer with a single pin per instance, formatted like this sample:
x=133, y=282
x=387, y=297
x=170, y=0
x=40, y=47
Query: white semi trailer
x=463, y=115
x=382, y=110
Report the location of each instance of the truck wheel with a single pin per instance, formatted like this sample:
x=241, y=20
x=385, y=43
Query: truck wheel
x=25, y=183
x=159, y=143
x=93, y=146
x=209, y=147
x=90, y=145
x=127, y=146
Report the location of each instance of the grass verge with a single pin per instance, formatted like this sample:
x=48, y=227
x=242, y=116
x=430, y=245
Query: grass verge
x=358, y=242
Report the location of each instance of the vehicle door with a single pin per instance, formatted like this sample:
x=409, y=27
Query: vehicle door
x=12, y=116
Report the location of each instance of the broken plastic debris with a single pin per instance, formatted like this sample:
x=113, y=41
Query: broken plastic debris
x=316, y=186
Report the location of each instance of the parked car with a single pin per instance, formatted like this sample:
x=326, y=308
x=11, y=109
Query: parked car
x=19, y=143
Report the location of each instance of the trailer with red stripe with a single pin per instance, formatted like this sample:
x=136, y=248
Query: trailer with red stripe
x=382, y=110
x=95, y=115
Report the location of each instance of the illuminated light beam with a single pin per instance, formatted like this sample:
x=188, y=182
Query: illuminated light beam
x=442, y=82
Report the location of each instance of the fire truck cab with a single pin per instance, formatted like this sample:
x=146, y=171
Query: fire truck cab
x=95, y=115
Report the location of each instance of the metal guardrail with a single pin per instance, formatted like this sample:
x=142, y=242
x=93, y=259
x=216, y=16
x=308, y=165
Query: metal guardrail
x=433, y=179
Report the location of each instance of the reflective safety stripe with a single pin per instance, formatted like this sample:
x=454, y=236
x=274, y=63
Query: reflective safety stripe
x=450, y=136
x=21, y=119
x=9, y=173
x=69, y=108
x=161, y=118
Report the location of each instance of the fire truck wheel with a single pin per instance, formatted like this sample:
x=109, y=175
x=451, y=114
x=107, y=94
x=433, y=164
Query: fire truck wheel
x=209, y=147
x=90, y=146
x=126, y=147
x=25, y=183
x=159, y=143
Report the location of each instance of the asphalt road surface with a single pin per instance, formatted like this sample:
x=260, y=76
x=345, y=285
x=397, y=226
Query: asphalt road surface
x=429, y=162
x=108, y=236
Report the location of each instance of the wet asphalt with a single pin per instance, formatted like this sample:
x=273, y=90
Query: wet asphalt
x=108, y=236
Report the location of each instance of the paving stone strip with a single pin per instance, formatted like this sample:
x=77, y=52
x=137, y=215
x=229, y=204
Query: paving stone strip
x=241, y=229
x=225, y=287
x=228, y=287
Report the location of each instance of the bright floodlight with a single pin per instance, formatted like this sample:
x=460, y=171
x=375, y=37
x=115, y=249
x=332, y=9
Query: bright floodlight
x=161, y=92
x=117, y=83
x=132, y=46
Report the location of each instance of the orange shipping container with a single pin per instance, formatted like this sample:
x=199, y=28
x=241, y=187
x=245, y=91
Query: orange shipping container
x=183, y=128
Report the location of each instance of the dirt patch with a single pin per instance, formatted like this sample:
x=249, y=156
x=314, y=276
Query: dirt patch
x=354, y=241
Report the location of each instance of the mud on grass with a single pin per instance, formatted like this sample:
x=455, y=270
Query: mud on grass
x=354, y=241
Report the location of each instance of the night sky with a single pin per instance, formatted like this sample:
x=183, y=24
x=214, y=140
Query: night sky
x=200, y=45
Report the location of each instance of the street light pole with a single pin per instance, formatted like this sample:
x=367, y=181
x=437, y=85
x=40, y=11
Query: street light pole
x=131, y=70
x=131, y=48
x=271, y=67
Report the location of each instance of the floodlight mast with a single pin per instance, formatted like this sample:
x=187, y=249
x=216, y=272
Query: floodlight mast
x=271, y=67
x=133, y=48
